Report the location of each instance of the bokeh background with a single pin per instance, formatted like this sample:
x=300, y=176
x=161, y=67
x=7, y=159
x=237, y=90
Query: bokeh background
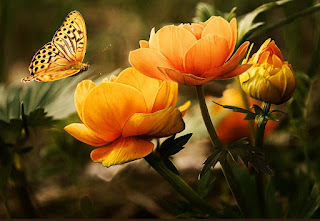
x=58, y=175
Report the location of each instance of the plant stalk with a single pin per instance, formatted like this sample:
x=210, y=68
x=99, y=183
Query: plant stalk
x=180, y=185
x=227, y=171
x=261, y=125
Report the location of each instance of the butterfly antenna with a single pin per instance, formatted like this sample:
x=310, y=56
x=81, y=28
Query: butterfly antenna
x=99, y=53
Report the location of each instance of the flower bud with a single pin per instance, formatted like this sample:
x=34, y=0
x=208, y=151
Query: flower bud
x=270, y=78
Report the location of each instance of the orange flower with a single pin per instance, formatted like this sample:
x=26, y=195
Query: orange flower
x=231, y=126
x=124, y=114
x=270, y=79
x=191, y=54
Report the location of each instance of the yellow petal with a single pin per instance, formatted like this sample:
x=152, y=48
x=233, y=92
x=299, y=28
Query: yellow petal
x=146, y=61
x=166, y=97
x=207, y=53
x=158, y=124
x=85, y=135
x=121, y=151
x=108, y=106
x=147, y=86
x=173, y=42
x=83, y=89
x=184, y=108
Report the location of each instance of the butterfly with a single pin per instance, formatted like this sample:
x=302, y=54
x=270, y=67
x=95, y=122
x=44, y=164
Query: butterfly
x=62, y=57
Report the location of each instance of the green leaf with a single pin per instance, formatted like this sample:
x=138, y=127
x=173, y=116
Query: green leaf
x=272, y=117
x=218, y=154
x=39, y=117
x=257, y=109
x=246, y=25
x=168, y=163
x=204, y=11
x=204, y=185
x=237, y=109
x=273, y=206
x=249, y=154
x=172, y=146
x=305, y=201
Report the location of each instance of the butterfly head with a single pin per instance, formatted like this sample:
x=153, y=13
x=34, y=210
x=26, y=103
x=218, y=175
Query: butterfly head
x=85, y=67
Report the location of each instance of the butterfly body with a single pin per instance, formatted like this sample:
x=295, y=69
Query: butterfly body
x=63, y=56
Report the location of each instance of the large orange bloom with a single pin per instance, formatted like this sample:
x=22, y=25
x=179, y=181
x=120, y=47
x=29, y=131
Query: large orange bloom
x=124, y=114
x=191, y=54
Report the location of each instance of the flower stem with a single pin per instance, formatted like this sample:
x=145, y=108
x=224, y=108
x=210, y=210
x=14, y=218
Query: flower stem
x=180, y=185
x=227, y=171
x=261, y=125
x=245, y=100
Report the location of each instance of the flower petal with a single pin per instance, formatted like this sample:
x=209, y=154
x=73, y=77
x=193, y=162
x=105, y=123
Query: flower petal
x=147, y=86
x=84, y=134
x=182, y=78
x=184, y=108
x=162, y=123
x=219, y=26
x=166, y=97
x=207, y=53
x=195, y=29
x=235, y=72
x=121, y=151
x=234, y=30
x=229, y=65
x=146, y=61
x=144, y=44
x=83, y=89
x=108, y=106
x=173, y=42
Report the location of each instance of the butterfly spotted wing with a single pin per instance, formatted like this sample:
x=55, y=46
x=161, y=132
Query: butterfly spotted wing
x=63, y=56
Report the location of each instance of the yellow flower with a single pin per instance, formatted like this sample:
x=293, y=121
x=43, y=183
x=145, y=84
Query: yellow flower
x=122, y=115
x=191, y=54
x=270, y=78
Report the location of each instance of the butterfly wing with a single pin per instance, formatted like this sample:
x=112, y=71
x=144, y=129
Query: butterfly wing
x=56, y=59
x=71, y=37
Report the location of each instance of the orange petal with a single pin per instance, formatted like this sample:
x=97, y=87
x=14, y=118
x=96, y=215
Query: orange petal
x=261, y=49
x=146, y=61
x=144, y=44
x=173, y=42
x=85, y=135
x=108, y=106
x=233, y=27
x=195, y=29
x=158, y=124
x=229, y=65
x=83, y=89
x=166, y=97
x=235, y=72
x=219, y=26
x=208, y=53
x=147, y=86
x=184, y=108
x=121, y=151
x=182, y=78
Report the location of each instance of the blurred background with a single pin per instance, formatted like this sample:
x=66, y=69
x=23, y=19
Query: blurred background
x=54, y=171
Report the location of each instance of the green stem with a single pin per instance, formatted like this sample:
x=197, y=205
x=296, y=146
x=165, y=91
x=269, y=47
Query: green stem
x=180, y=185
x=285, y=21
x=261, y=125
x=227, y=171
x=245, y=100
